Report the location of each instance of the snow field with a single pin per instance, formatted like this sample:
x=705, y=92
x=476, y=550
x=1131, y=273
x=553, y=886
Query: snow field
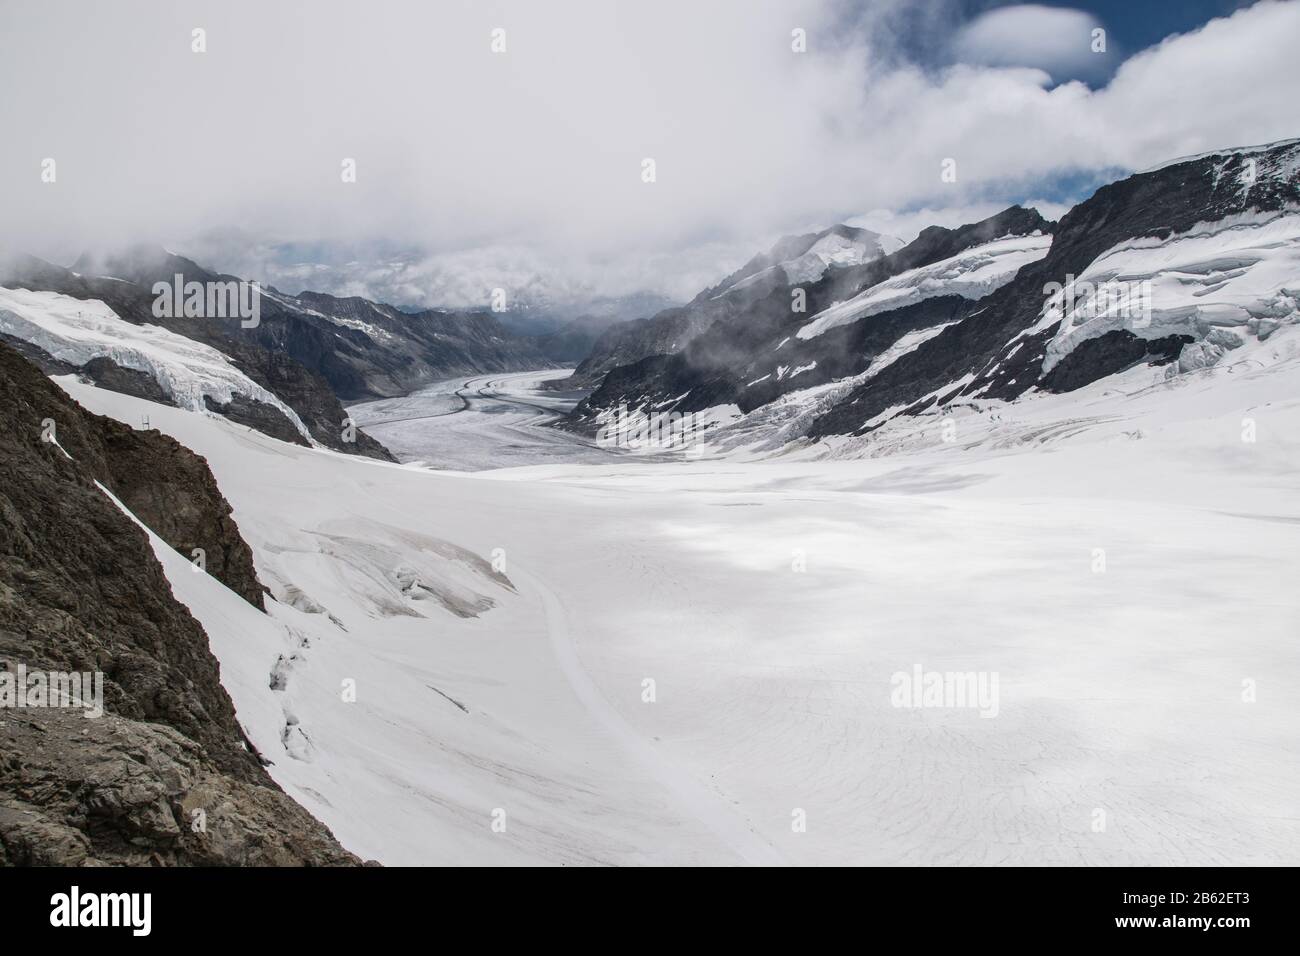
x=1121, y=690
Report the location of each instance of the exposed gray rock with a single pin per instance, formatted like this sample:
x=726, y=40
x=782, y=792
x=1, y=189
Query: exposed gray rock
x=108, y=790
x=106, y=373
x=257, y=415
x=80, y=590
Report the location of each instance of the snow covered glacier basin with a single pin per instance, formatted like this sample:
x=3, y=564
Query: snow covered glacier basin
x=1121, y=558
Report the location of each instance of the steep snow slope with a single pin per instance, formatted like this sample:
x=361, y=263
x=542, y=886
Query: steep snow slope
x=461, y=706
x=972, y=274
x=1098, y=551
x=1175, y=267
x=76, y=331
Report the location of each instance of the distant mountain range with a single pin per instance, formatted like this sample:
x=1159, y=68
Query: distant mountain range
x=843, y=329
x=1174, y=267
x=285, y=375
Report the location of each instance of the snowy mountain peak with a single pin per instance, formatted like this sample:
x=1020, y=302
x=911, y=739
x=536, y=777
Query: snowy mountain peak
x=805, y=258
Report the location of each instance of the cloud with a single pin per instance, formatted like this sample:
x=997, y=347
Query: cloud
x=1061, y=42
x=534, y=155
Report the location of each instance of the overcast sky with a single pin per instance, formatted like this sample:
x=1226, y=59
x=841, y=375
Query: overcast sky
x=478, y=169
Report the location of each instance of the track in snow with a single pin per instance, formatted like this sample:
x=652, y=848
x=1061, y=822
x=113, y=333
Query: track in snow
x=693, y=797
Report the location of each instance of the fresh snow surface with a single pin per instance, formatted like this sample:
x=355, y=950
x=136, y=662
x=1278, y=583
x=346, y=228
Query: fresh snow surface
x=1227, y=276
x=770, y=603
x=76, y=331
x=973, y=274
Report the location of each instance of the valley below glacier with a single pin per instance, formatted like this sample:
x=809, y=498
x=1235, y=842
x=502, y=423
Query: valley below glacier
x=478, y=423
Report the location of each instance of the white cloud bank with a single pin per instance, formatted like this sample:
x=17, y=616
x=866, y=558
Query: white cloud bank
x=1057, y=40
x=540, y=148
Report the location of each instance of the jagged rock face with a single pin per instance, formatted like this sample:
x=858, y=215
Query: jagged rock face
x=110, y=790
x=39, y=357
x=744, y=357
x=80, y=590
x=106, y=373
x=1108, y=354
x=257, y=356
x=259, y=416
x=994, y=344
x=162, y=482
x=171, y=490
x=308, y=394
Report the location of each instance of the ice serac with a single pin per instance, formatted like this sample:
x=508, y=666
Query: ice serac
x=1208, y=246
x=1176, y=267
x=188, y=374
x=165, y=776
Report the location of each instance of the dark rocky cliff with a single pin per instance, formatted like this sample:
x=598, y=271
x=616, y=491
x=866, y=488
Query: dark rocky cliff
x=80, y=590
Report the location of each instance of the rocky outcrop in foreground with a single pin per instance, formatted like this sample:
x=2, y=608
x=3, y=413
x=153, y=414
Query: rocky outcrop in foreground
x=165, y=776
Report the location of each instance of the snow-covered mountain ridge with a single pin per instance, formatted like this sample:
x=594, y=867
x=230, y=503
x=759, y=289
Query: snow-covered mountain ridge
x=283, y=371
x=793, y=259
x=1174, y=267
